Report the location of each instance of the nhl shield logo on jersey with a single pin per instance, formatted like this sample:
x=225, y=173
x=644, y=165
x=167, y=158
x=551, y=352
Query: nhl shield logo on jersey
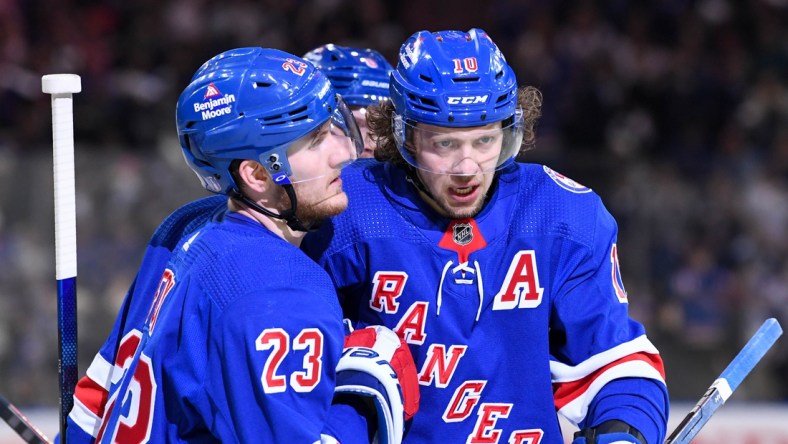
x=565, y=182
x=463, y=234
x=464, y=237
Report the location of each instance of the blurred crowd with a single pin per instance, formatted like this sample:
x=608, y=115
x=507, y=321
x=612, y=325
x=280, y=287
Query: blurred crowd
x=675, y=112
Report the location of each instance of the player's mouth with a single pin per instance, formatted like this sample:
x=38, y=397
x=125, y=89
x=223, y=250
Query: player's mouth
x=464, y=194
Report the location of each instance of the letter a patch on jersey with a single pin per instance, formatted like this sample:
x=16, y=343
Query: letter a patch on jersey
x=521, y=287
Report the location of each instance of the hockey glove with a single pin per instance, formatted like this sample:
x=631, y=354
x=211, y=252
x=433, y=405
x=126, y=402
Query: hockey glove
x=377, y=364
x=610, y=432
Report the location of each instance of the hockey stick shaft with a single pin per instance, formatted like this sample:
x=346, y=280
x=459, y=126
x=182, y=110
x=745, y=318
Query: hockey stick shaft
x=20, y=424
x=62, y=87
x=728, y=381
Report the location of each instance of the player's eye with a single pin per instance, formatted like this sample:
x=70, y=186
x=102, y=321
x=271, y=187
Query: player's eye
x=320, y=136
x=486, y=141
x=445, y=143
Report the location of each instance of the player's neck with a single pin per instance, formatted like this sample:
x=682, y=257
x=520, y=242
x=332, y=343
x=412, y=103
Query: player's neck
x=276, y=226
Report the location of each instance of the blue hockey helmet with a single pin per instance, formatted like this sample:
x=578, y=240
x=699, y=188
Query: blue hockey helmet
x=253, y=104
x=361, y=76
x=455, y=79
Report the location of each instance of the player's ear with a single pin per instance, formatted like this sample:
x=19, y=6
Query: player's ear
x=253, y=176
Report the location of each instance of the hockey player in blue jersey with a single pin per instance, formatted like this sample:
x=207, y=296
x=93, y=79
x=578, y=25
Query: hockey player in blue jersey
x=360, y=76
x=239, y=337
x=502, y=276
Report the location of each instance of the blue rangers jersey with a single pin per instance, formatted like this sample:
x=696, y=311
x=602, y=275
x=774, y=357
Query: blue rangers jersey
x=512, y=316
x=92, y=391
x=238, y=344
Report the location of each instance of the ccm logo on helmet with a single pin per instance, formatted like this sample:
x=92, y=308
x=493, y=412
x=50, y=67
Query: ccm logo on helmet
x=467, y=100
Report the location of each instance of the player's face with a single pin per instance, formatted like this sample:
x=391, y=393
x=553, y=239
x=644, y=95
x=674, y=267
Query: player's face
x=360, y=114
x=321, y=155
x=457, y=165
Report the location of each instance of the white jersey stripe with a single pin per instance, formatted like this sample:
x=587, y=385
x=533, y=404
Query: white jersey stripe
x=564, y=373
x=576, y=410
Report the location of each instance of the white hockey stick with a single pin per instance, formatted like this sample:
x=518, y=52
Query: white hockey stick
x=727, y=383
x=61, y=87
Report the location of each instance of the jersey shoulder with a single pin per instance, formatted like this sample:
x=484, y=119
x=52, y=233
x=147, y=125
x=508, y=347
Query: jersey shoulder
x=382, y=204
x=234, y=257
x=185, y=220
x=556, y=205
x=180, y=224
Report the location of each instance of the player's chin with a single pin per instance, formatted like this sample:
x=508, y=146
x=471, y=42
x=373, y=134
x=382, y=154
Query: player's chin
x=336, y=204
x=328, y=207
x=464, y=210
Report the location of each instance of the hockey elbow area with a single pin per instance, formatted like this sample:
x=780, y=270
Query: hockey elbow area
x=575, y=386
x=90, y=396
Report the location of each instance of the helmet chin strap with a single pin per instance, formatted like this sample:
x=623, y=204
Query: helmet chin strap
x=289, y=216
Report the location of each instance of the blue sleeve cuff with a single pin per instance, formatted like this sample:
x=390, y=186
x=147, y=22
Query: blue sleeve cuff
x=641, y=403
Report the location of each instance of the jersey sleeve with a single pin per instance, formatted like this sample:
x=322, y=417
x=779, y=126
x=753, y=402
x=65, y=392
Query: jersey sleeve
x=92, y=390
x=602, y=362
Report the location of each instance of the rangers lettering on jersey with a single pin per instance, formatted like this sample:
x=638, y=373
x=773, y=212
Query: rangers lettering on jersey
x=440, y=365
x=387, y=287
x=485, y=431
x=412, y=325
x=463, y=401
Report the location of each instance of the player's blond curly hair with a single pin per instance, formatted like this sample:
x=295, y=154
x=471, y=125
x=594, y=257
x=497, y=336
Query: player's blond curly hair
x=380, y=121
